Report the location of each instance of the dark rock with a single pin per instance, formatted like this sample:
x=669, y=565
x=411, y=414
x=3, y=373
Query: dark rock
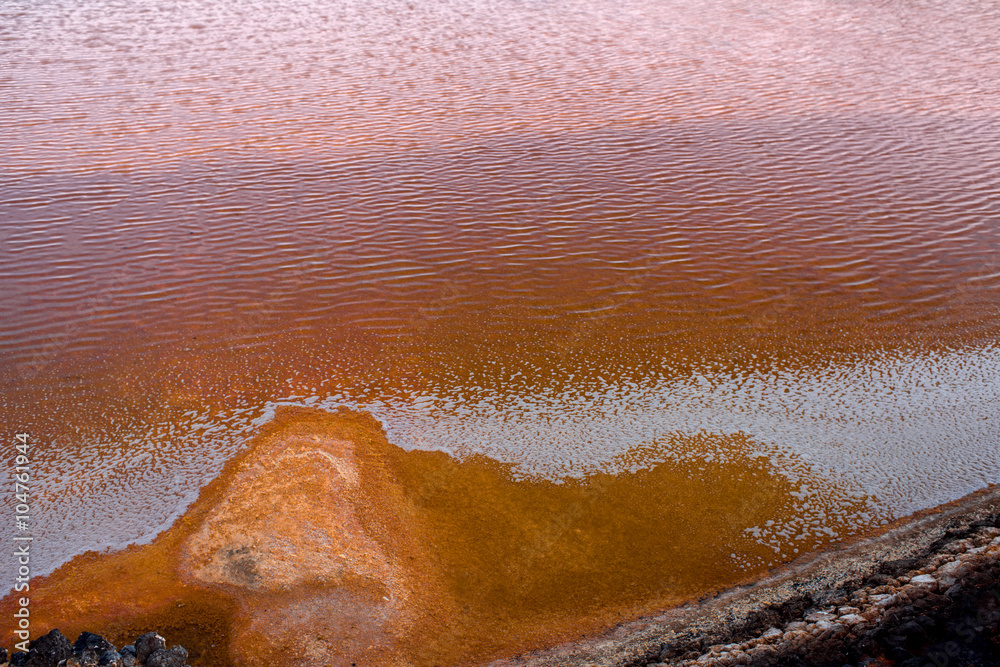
x=653, y=655
x=128, y=656
x=110, y=659
x=671, y=651
x=175, y=657
x=761, y=619
x=49, y=649
x=3, y=655
x=979, y=579
x=830, y=597
x=90, y=641
x=894, y=568
x=906, y=611
x=931, y=602
x=147, y=644
x=88, y=657
x=867, y=644
x=954, y=592
x=898, y=654
x=70, y=662
x=797, y=606
x=19, y=659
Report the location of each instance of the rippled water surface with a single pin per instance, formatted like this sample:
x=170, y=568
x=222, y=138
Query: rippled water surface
x=554, y=232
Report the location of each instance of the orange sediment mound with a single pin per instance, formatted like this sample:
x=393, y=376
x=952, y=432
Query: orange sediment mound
x=323, y=544
x=300, y=551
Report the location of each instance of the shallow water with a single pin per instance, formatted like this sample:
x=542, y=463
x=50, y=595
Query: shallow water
x=552, y=233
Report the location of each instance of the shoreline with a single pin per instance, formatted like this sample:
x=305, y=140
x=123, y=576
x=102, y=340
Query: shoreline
x=352, y=565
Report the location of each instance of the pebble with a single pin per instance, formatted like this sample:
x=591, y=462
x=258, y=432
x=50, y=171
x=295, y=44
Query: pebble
x=771, y=634
x=794, y=634
x=948, y=574
x=818, y=616
x=958, y=546
x=848, y=610
x=956, y=568
x=794, y=626
x=148, y=644
x=128, y=656
x=923, y=580
x=88, y=641
x=888, y=601
x=938, y=561
x=761, y=651
x=110, y=658
x=871, y=615
x=176, y=656
x=851, y=619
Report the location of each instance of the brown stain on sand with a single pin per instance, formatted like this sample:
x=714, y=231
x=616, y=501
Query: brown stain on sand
x=323, y=544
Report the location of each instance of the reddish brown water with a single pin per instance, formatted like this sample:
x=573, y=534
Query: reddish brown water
x=558, y=234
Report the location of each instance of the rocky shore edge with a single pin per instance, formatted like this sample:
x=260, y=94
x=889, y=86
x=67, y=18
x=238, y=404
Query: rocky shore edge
x=940, y=609
x=925, y=592
x=53, y=649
